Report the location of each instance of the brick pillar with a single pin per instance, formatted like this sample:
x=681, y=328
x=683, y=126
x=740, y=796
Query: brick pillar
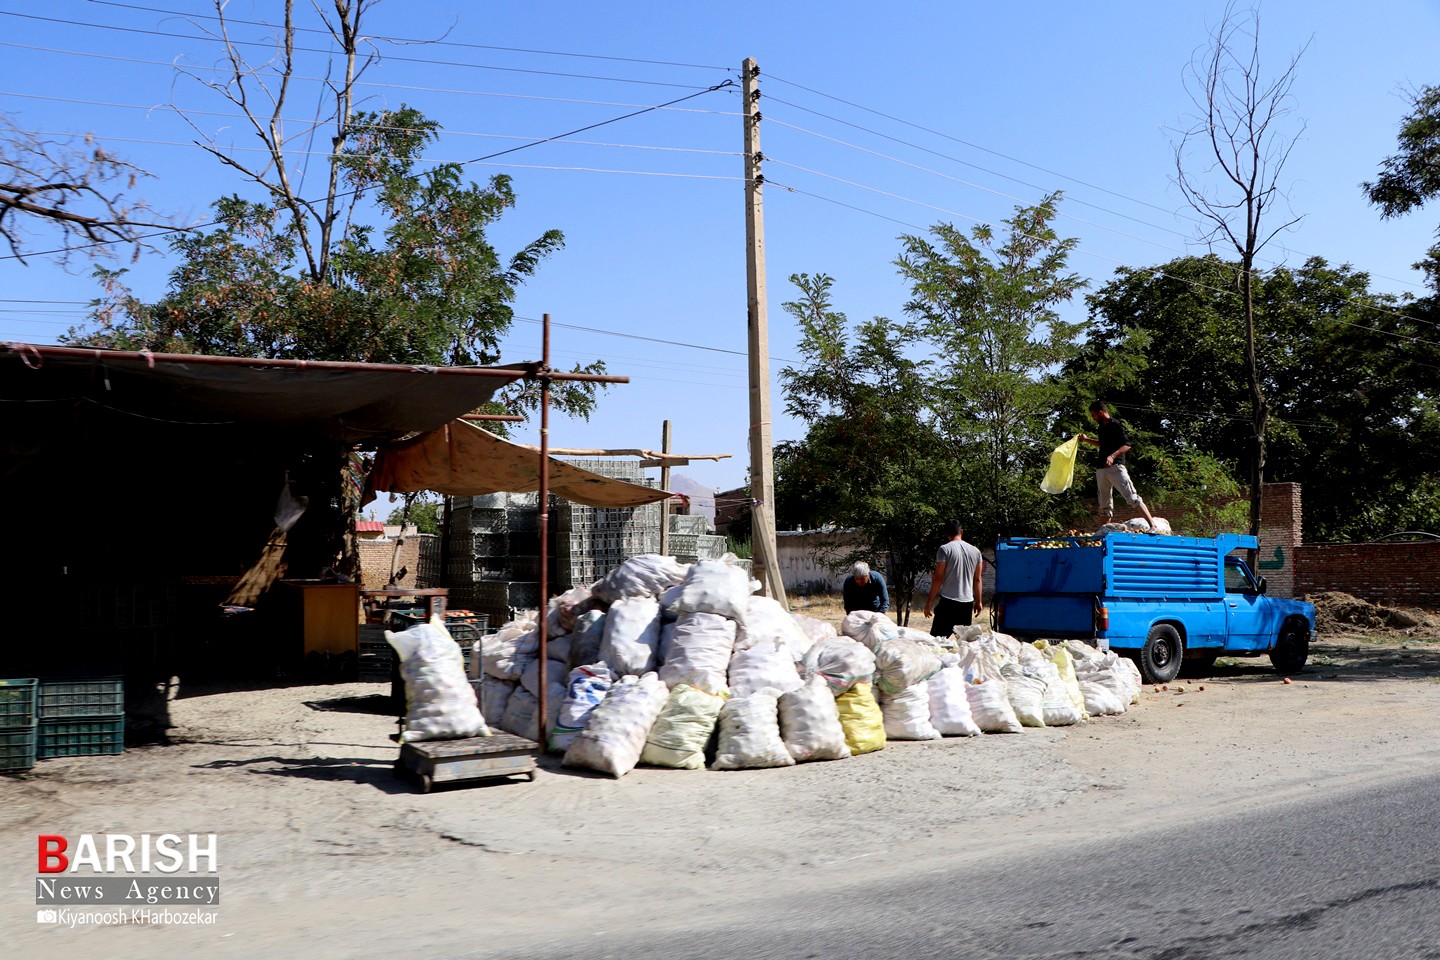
x=1280, y=534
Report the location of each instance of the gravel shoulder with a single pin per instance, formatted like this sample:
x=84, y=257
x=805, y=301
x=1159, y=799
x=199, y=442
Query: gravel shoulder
x=323, y=853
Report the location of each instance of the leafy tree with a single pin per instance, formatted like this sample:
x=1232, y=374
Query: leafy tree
x=390, y=263
x=1348, y=375
x=423, y=515
x=944, y=415
x=989, y=305
x=1411, y=178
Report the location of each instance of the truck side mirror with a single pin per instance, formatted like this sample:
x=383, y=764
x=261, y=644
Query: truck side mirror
x=1261, y=583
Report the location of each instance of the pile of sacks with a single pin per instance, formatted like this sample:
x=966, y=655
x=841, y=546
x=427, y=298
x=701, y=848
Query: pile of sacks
x=656, y=659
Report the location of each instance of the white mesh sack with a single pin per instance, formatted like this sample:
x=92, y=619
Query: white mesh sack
x=810, y=723
x=556, y=674
x=1100, y=701
x=714, y=586
x=750, y=733
x=584, y=689
x=842, y=663
x=990, y=706
x=907, y=714
x=1026, y=695
x=494, y=697
x=440, y=703
x=764, y=665
x=683, y=728
x=613, y=739
x=766, y=619
x=647, y=575
x=900, y=664
x=586, y=638
x=949, y=707
x=506, y=651
x=816, y=630
x=1059, y=708
x=699, y=652
x=522, y=716
x=870, y=627
x=632, y=635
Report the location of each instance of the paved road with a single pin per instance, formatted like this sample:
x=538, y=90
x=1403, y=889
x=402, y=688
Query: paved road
x=1352, y=875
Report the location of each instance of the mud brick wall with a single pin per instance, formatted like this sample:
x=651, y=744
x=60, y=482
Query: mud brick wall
x=375, y=558
x=1395, y=574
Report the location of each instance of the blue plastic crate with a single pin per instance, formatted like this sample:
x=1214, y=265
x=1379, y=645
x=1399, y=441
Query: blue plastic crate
x=81, y=738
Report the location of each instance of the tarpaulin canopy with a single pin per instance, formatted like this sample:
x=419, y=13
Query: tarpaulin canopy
x=462, y=460
x=344, y=401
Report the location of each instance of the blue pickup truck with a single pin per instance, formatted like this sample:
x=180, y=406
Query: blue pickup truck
x=1156, y=599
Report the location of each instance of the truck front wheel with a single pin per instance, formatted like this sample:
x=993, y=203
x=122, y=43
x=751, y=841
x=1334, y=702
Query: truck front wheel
x=1160, y=658
x=1292, y=649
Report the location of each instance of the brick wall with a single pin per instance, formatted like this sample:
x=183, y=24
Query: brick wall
x=1395, y=574
x=375, y=556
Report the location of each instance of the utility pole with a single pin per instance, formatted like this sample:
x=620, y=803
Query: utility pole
x=665, y=485
x=762, y=459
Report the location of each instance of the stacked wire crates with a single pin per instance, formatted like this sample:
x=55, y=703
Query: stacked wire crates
x=592, y=541
x=689, y=541
x=493, y=560
x=17, y=724
x=81, y=718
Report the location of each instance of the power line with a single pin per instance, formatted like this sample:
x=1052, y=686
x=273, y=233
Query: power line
x=212, y=223
x=1005, y=156
x=398, y=59
x=169, y=64
x=636, y=336
x=418, y=40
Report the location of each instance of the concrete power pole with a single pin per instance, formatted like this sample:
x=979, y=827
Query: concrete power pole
x=762, y=459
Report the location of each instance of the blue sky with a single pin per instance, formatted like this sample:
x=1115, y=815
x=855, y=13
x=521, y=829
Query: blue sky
x=877, y=124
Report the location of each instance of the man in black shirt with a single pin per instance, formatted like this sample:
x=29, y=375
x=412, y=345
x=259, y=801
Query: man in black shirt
x=1114, y=443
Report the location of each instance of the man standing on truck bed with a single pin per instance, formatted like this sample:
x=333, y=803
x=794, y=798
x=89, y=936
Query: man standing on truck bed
x=1114, y=443
x=956, y=581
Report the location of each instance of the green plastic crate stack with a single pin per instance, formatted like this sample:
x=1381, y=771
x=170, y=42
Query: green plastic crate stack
x=81, y=718
x=17, y=724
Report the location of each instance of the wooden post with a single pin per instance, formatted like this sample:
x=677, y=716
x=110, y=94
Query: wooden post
x=665, y=485
x=543, y=507
x=762, y=458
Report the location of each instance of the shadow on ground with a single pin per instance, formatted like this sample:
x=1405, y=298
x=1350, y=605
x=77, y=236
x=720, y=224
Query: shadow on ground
x=1346, y=659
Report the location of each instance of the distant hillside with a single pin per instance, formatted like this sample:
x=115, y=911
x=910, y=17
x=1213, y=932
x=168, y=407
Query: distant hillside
x=702, y=498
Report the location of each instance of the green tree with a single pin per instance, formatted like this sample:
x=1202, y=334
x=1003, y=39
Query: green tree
x=390, y=263
x=423, y=515
x=869, y=466
x=988, y=306
x=1348, y=374
x=1411, y=178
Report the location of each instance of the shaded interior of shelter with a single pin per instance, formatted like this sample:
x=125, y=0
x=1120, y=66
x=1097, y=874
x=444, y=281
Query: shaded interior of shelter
x=136, y=533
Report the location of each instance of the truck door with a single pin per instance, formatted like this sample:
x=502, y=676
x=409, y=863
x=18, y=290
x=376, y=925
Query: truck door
x=1245, y=609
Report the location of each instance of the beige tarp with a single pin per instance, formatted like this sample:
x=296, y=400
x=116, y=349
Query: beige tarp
x=462, y=460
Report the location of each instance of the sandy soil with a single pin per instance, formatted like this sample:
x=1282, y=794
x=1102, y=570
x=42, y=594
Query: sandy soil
x=324, y=853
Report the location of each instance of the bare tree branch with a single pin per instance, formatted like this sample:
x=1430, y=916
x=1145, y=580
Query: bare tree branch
x=73, y=186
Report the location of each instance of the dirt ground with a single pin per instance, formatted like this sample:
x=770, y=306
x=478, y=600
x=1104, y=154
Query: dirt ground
x=323, y=853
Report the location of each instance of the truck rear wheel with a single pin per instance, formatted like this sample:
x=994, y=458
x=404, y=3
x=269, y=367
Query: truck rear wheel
x=1160, y=658
x=1292, y=649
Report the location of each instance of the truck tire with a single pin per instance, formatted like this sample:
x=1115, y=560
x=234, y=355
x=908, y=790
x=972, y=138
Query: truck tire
x=1292, y=648
x=1160, y=658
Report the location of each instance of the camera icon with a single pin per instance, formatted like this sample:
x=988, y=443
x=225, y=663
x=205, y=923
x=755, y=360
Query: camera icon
x=47, y=916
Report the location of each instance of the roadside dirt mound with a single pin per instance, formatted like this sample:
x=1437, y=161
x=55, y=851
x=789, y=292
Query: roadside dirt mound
x=1338, y=612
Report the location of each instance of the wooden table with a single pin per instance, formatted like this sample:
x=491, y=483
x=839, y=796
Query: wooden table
x=475, y=758
x=434, y=597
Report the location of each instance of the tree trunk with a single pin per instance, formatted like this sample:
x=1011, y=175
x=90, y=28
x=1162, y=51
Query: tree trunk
x=1260, y=413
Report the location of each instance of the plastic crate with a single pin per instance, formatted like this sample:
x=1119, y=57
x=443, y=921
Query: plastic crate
x=90, y=697
x=17, y=747
x=94, y=737
x=17, y=702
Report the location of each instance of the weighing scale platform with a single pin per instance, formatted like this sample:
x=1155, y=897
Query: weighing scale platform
x=474, y=758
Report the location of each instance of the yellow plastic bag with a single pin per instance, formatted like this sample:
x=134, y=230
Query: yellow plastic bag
x=1062, y=466
x=861, y=719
